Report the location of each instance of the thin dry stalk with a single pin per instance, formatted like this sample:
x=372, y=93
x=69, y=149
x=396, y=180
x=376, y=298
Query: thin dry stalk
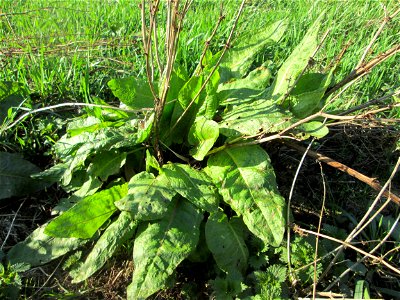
x=372, y=182
x=288, y=207
x=315, y=283
x=208, y=41
x=308, y=64
x=303, y=231
x=364, y=222
x=147, y=42
x=73, y=104
x=386, y=20
x=364, y=258
x=369, y=103
x=11, y=225
x=226, y=47
x=364, y=69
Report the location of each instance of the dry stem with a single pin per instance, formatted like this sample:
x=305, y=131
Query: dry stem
x=372, y=182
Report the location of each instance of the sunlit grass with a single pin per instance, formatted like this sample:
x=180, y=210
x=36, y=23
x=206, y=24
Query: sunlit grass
x=69, y=49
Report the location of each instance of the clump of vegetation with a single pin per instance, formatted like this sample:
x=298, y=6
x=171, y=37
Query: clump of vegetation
x=178, y=171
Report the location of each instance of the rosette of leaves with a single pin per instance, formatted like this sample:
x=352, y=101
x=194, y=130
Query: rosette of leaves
x=121, y=194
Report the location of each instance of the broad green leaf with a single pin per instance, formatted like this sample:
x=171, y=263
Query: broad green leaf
x=305, y=99
x=178, y=80
x=240, y=57
x=39, y=248
x=295, y=64
x=144, y=129
x=114, y=236
x=186, y=95
x=87, y=216
x=244, y=88
x=148, y=196
x=161, y=247
x=52, y=174
x=253, y=117
x=105, y=164
x=151, y=162
x=202, y=135
x=246, y=180
x=85, y=124
x=225, y=239
x=88, y=187
x=193, y=185
x=15, y=175
x=133, y=92
x=190, y=90
x=211, y=102
x=263, y=116
x=314, y=128
x=75, y=150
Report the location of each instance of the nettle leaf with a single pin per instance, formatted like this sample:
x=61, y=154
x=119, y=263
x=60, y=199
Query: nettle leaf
x=133, y=92
x=162, y=246
x=114, y=236
x=295, y=64
x=239, y=59
x=192, y=184
x=252, y=85
x=305, y=99
x=88, y=215
x=225, y=239
x=202, y=135
x=253, y=117
x=39, y=248
x=246, y=180
x=15, y=175
x=148, y=196
x=106, y=164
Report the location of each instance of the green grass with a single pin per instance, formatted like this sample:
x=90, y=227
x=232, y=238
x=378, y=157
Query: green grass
x=69, y=49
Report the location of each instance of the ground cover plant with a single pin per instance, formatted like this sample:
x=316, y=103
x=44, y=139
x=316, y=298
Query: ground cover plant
x=179, y=172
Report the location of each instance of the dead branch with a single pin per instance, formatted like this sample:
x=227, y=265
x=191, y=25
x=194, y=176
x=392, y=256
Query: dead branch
x=372, y=182
x=364, y=69
x=386, y=20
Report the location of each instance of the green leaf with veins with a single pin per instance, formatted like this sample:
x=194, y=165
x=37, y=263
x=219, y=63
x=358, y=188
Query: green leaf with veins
x=192, y=184
x=246, y=181
x=240, y=57
x=148, y=196
x=305, y=99
x=162, y=246
x=254, y=117
x=40, y=248
x=295, y=64
x=133, y=92
x=15, y=176
x=106, y=163
x=114, y=236
x=244, y=88
x=88, y=215
x=225, y=239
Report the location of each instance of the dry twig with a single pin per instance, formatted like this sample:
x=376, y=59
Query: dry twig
x=372, y=182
